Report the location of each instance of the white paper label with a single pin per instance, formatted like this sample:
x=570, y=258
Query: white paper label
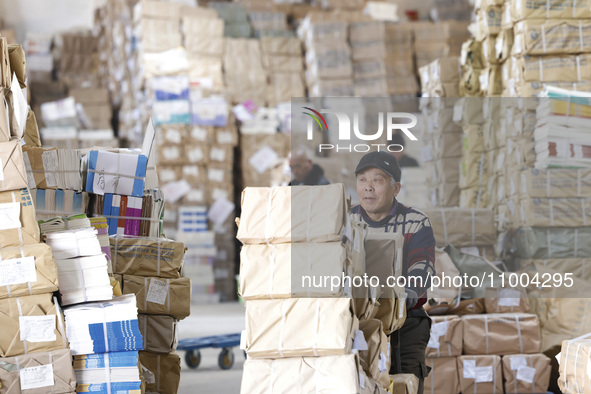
x=195, y=196
x=217, y=154
x=174, y=136
x=219, y=194
x=225, y=137
x=50, y=166
x=263, y=159
x=517, y=362
x=10, y=215
x=195, y=155
x=469, y=369
x=509, y=297
x=157, y=291
x=171, y=153
x=483, y=374
x=437, y=330
x=16, y=271
x=401, y=305
x=37, y=328
x=149, y=376
x=526, y=374
x=173, y=191
x=243, y=340
x=220, y=210
x=215, y=174
x=382, y=363
x=241, y=113
x=359, y=342
x=199, y=134
x=361, y=380
x=36, y=377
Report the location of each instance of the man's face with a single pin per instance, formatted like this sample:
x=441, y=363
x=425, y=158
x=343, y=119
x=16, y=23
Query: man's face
x=375, y=190
x=300, y=166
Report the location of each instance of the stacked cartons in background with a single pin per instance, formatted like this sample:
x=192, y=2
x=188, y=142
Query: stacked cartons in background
x=399, y=60
x=368, y=52
x=435, y=40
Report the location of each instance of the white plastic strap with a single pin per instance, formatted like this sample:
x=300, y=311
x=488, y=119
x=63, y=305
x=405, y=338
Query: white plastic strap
x=543, y=38
x=20, y=313
x=309, y=267
x=282, y=329
x=574, y=9
x=519, y=334
x=581, y=35
x=168, y=297
x=51, y=363
x=444, y=226
x=548, y=184
x=547, y=9
x=272, y=269
x=576, y=246
x=578, y=68
x=583, y=211
x=268, y=217
x=541, y=67
x=549, y=243
x=316, y=327
x=486, y=331
x=551, y=207
x=159, y=252
x=106, y=337
x=472, y=211
x=474, y=357
x=272, y=376
x=107, y=371
x=577, y=363
x=145, y=294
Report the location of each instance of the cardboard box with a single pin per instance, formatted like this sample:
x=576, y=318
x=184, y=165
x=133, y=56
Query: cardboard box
x=324, y=221
x=34, y=326
x=403, y=383
x=550, y=212
x=501, y=333
x=261, y=277
x=526, y=373
x=32, y=271
x=443, y=377
x=309, y=327
x=463, y=226
x=375, y=361
x=446, y=338
x=480, y=374
x=159, y=333
x=157, y=296
x=19, y=224
x=144, y=256
x=340, y=373
x=27, y=373
x=13, y=175
x=162, y=372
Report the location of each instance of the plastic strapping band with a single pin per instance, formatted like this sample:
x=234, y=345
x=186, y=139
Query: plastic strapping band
x=582, y=209
x=272, y=270
x=549, y=243
x=268, y=217
x=20, y=313
x=28, y=283
x=577, y=363
x=131, y=218
x=309, y=216
x=474, y=357
x=158, y=268
x=316, y=327
x=515, y=382
x=143, y=319
x=551, y=206
x=145, y=294
x=106, y=337
x=473, y=227
x=272, y=376
x=548, y=184
x=578, y=68
x=168, y=297
x=281, y=330
x=531, y=362
x=543, y=38
x=576, y=246
x=494, y=368
x=7, y=286
x=547, y=9
x=575, y=9
x=118, y=175
x=519, y=334
x=581, y=35
x=444, y=226
x=158, y=374
x=541, y=67
x=51, y=362
x=486, y=331
x=107, y=371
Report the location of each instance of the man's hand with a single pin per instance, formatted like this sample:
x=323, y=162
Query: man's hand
x=411, y=299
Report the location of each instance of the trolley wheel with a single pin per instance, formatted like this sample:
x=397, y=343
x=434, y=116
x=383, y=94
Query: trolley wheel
x=193, y=358
x=226, y=359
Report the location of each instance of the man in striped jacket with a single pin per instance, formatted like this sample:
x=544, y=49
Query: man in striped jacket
x=378, y=183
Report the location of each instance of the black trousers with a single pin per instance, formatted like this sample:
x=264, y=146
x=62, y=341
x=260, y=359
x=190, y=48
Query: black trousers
x=408, y=346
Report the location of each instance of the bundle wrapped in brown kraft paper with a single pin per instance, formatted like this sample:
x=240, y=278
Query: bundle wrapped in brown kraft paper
x=446, y=338
x=553, y=183
x=557, y=9
x=462, y=226
x=339, y=374
x=376, y=359
x=555, y=212
x=404, y=383
x=501, y=333
x=160, y=296
x=574, y=363
x=145, y=256
x=506, y=300
x=299, y=327
x=162, y=372
x=480, y=374
x=291, y=46
x=391, y=311
x=526, y=373
x=19, y=225
x=159, y=333
x=38, y=373
x=443, y=377
x=30, y=324
x=268, y=214
x=572, y=68
x=292, y=270
x=28, y=270
x=545, y=37
x=13, y=174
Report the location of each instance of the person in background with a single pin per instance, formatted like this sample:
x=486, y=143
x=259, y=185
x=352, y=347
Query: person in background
x=303, y=169
x=378, y=184
x=403, y=159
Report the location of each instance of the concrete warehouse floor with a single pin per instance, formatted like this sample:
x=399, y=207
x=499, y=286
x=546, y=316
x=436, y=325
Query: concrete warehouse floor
x=208, y=378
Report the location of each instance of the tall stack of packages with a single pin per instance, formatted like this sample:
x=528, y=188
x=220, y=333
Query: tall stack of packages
x=34, y=343
x=331, y=339
x=329, y=69
x=443, y=350
x=235, y=16
x=368, y=52
x=78, y=59
x=150, y=268
x=435, y=40
x=443, y=137
x=244, y=71
x=400, y=70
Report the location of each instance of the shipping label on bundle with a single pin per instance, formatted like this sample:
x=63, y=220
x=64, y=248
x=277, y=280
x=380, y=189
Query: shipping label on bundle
x=263, y=159
x=219, y=211
x=148, y=376
x=526, y=374
x=50, y=166
x=483, y=374
x=469, y=369
x=244, y=112
x=173, y=191
x=37, y=328
x=36, y=377
x=437, y=330
x=10, y=215
x=517, y=362
x=157, y=291
x=509, y=297
x=17, y=271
